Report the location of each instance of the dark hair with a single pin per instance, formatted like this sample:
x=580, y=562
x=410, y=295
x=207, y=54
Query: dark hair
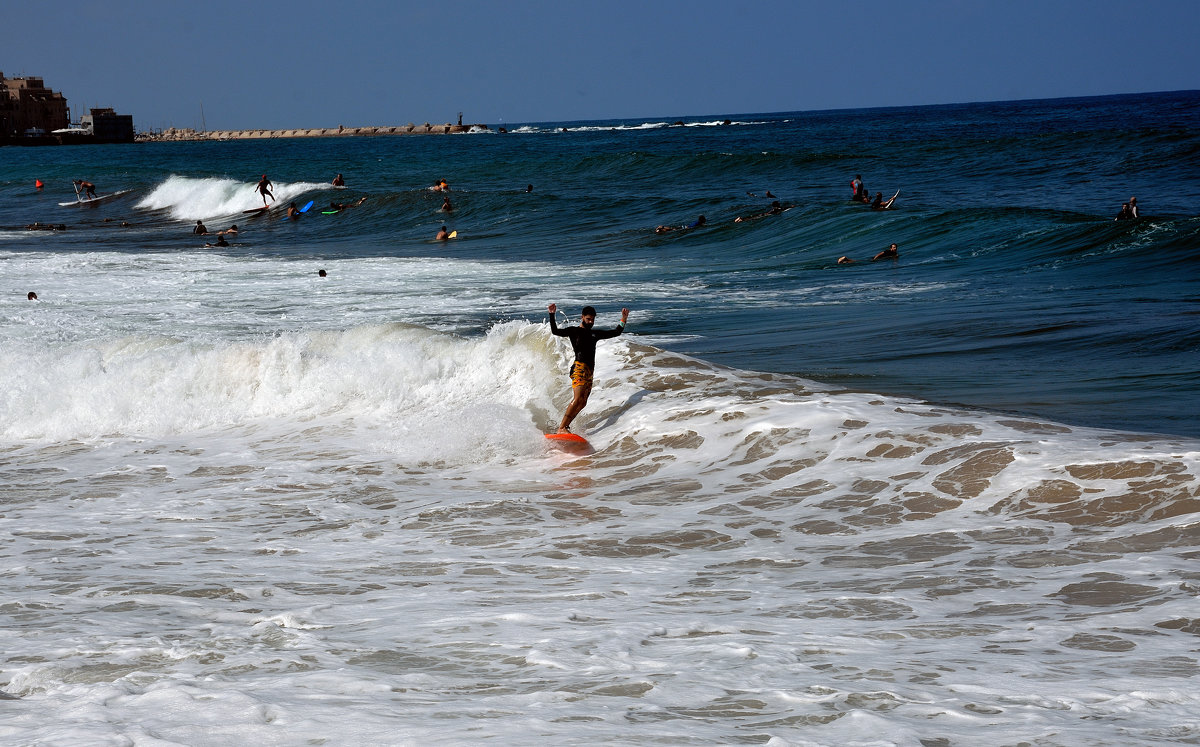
x=588, y=311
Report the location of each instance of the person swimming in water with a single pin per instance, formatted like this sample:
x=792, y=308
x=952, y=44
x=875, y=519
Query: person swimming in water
x=583, y=341
x=696, y=224
x=776, y=208
x=892, y=252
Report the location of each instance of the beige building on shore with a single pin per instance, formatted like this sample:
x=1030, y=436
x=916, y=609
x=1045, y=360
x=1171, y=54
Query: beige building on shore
x=29, y=109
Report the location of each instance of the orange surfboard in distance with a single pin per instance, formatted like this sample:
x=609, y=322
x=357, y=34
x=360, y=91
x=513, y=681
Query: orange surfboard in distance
x=568, y=441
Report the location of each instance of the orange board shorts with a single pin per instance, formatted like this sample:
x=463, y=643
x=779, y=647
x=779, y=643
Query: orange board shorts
x=581, y=375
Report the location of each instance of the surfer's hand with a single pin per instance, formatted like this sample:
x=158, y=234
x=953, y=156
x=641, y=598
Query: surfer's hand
x=552, y=308
x=624, y=314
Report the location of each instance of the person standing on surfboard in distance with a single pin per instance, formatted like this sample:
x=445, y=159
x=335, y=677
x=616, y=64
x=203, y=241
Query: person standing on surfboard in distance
x=264, y=188
x=583, y=341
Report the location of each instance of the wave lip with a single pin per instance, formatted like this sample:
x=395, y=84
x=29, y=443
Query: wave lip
x=189, y=198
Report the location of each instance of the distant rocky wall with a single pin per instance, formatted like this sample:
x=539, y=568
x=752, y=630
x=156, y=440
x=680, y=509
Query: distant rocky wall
x=174, y=133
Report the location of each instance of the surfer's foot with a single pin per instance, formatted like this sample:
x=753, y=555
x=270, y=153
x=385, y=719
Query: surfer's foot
x=564, y=429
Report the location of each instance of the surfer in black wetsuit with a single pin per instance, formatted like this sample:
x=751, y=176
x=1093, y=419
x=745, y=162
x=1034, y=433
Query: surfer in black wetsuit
x=583, y=342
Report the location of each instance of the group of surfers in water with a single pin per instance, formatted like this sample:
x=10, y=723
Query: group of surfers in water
x=859, y=194
x=584, y=336
x=263, y=188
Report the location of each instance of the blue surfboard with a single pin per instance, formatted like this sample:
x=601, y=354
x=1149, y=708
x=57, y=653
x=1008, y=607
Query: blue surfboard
x=306, y=207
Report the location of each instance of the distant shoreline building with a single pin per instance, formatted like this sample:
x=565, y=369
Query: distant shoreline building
x=29, y=109
x=109, y=127
x=31, y=114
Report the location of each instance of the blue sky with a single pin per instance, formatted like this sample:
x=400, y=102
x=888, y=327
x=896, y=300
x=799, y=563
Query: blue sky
x=360, y=62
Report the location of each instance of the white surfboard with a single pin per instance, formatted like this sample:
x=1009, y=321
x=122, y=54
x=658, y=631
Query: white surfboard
x=93, y=200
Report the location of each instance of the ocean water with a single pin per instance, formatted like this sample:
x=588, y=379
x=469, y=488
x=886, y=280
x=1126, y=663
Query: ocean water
x=946, y=500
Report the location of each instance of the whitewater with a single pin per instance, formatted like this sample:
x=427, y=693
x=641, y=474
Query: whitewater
x=245, y=502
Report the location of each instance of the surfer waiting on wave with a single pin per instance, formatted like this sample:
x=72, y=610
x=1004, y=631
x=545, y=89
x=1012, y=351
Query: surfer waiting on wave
x=879, y=204
x=583, y=341
x=1128, y=210
x=860, y=190
x=338, y=181
x=264, y=188
x=85, y=187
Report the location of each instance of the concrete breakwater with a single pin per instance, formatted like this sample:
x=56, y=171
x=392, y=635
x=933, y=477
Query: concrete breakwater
x=176, y=133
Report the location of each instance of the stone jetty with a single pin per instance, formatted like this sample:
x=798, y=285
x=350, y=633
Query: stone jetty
x=176, y=133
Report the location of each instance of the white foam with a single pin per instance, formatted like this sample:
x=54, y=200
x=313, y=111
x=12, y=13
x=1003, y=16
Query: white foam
x=242, y=501
x=190, y=198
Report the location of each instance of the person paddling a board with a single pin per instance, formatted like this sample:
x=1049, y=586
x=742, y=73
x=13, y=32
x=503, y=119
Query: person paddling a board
x=85, y=189
x=583, y=341
x=892, y=252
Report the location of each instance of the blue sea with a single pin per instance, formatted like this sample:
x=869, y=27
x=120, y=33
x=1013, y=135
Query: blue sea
x=946, y=499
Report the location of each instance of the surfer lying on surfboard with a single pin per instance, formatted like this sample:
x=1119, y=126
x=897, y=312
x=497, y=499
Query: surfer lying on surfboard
x=583, y=341
x=776, y=208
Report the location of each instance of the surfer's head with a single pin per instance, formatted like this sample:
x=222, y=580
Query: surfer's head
x=587, y=317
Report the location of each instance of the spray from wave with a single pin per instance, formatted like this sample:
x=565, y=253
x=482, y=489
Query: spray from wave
x=187, y=198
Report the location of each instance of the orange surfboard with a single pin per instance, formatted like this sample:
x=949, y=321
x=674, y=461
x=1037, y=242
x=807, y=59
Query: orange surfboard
x=568, y=441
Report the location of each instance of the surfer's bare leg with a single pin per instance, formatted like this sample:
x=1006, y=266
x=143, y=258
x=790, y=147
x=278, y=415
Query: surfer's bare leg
x=579, y=401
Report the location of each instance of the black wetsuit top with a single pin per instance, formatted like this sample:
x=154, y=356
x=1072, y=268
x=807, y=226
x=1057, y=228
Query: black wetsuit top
x=583, y=341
